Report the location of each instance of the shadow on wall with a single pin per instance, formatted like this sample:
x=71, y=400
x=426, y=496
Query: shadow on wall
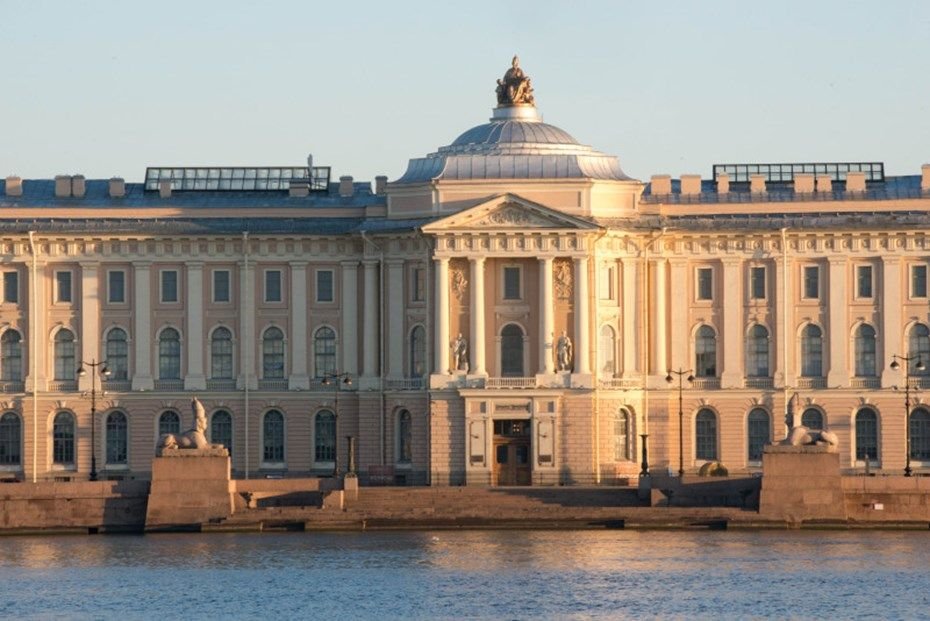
x=741, y=492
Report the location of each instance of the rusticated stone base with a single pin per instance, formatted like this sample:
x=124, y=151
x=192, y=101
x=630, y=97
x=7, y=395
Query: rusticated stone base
x=189, y=488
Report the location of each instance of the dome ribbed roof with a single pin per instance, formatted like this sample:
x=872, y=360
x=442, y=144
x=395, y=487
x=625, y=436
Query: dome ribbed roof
x=501, y=132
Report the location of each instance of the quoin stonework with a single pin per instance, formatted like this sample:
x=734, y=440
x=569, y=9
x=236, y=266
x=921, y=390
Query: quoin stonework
x=507, y=312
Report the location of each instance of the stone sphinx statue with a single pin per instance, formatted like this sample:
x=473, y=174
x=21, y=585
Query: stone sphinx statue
x=515, y=87
x=192, y=438
x=802, y=436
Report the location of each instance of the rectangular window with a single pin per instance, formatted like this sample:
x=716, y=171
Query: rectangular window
x=812, y=282
x=273, y=285
x=864, y=281
x=169, y=286
x=11, y=287
x=418, y=284
x=116, y=287
x=606, y=287
x=918, y=281
x=221, y=286
x=757, y=283
x=705, y=283
x=512, y=283
x=62, y=286
x=324, y=286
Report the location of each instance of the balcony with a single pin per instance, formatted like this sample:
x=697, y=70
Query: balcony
x=407, y=383
x=221, y=384
x=121, y=385
x=919, y=382
x=510, y=382
x=7, y=386
x=62, y=386
x=272, y=384
x=865, y=382
x=759, y=382
x=169, y=384
x=616, y=383
x=706, y=383
x=812, y=382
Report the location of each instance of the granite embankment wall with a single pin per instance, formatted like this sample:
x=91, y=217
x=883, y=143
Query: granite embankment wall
x=99, y=506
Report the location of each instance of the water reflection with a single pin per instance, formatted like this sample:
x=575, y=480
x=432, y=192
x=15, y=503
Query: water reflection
x=477, y=574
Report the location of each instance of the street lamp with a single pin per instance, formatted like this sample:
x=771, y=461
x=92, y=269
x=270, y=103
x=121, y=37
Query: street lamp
x=334, y=379
x=907, y=399
x=681, y=417
x=105, y=372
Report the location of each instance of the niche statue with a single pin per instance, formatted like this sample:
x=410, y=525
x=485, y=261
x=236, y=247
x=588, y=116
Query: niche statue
x=460, y=354
x=564, y=353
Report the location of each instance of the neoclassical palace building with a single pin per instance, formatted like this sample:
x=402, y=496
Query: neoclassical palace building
x=513, y=310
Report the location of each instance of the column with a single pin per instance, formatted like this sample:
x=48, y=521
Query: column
x=782, y=324
x=370, y=321
x=441, y=344
x=582, y=319
x=477, y=331
x=891, y=335
x=142, y=328
x=246, y=326
x=732, y=306
x=349, y=311
x=679, y=330
x=195, y=378
x=547, y=319
x=838, y=332
x=90, y=319
x=395, y=329
x=660, y=320
x=632, y=318
x=297, y=343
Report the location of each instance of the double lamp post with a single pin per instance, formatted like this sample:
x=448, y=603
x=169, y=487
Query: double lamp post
x=920, y=366
x=334, y=380
x=104, y=372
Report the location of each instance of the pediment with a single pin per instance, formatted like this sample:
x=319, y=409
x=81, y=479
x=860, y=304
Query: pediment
x=508, y=212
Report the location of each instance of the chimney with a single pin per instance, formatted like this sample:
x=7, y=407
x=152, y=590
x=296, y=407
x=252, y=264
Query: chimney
x=824, y=183
x=804, y=183
x=723, y=183
x=78, y=186
x=164, y=188
x=117, y=187
x=691, y=184
x=757, y=184
x=855, y=181
x=14, y=186
x=380, y=185
x=299, y=188
x=661, y=185
x=62, y=186
x=345, y=186
x=925, y=177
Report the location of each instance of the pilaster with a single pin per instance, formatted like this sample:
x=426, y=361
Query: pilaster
x=892, y=337
x=195, y=378
x=678, y=316
x=732, y=328
x=582, y=372
x=478, y=336
x=349, y=311
x=441, y=343
x=246, y=326
x=395, y=319
x=370, y=344
x=142, y=314
x=547, y=319
x=838, y=375
x=298, y=380
x=90, y=319
x=631, y=319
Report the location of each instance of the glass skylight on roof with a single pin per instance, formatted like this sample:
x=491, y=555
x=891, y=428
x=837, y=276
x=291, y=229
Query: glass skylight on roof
x=784, y=173
x=250, y=179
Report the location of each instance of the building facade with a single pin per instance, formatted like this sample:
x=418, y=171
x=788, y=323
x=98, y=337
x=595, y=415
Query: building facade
x=512, y=310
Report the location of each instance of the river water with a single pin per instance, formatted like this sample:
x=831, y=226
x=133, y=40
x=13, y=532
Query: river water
x=470, y=574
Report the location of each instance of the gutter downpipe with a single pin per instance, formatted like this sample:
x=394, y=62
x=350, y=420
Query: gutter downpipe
x=34, y=358
x=784, y=321
x=595, y=289
x=382, y=419
x=248, y=343
x=428, y=323
x=646, y=340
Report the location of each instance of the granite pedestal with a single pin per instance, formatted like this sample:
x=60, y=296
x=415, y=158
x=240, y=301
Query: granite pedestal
x=190, y=487
x=802, y=483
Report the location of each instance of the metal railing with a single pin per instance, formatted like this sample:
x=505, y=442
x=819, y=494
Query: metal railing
x=62, y=386
x=812, y=382
x=706, y=383
x=117, y=386
x=169, y=384
x=221, y=384
x=759, y=382
x=406, y=383
x=12, y=386
x=616, y=383
x=865, y=382
x=272, y=384
x=511, y=382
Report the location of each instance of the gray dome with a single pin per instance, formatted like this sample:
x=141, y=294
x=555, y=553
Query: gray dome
x=500, y=132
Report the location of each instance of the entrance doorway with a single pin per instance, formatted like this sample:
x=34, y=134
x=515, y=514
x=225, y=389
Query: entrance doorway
x=512, y=453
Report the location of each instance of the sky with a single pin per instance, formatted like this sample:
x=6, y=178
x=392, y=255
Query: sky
x=107, y=88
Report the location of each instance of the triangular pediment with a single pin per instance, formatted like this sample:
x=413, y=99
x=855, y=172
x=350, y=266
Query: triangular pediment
x=508, y=212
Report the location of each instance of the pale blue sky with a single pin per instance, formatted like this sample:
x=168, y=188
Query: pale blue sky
x=107, y=88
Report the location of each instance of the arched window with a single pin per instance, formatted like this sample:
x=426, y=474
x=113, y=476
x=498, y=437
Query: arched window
x=866, y=434
x=607, y=352
x=418, y=352
x=64, y=356
x=705, y=352
x=404, y=437
x=11, y=440
x=812, y=418
x=63, y=439
x=117, y=355
x=221, y=354
x=324, y=352
x=705, y=435
x=918, y=342
x=757, y=352
x=117, y=439
x=865, y=351
x=811, y=351
x=273, y=354
x=221, y=429
x=169, y=422
x=273, y=437
x=169, y=354
x=11, y=356
x=512, y=351
x=920, y=434
x=324, y=437
x=621, y=433
x=758, y=429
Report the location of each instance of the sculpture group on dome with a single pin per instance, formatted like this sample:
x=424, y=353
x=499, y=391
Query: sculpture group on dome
x=515, y=87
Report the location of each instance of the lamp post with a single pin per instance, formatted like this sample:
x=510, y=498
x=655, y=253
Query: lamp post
x=681, y=417
x=334, y=379
x=105, y=372
x=907, y=399
x=645, y=471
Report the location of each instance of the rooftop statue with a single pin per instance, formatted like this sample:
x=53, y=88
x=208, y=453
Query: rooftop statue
x=515, y=87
